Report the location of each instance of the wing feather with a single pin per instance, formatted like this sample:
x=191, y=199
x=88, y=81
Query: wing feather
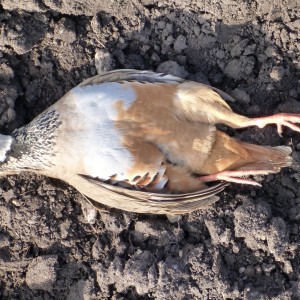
x=149, y=77
x=132, y=75
x=159, y=203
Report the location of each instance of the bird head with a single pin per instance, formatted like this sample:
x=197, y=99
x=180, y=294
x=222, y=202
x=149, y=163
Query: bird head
x=8, y=160
x=20, y=152
x=6, y=142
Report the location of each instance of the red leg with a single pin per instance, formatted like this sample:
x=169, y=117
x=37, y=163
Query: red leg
x=235, y=176
x=282, y=119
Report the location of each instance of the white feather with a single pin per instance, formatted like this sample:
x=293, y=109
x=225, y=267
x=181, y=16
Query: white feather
x=97, y=142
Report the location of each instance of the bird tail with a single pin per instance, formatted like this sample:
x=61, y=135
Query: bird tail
x=229, y=154
x=266, y=158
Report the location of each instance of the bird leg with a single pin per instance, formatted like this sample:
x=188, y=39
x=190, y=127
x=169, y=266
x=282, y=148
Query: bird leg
x=235, y=176
x=281, y=119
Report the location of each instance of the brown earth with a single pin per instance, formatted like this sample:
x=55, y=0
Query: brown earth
x=53, y=245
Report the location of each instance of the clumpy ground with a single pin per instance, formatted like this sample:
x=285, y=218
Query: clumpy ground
x=54, y=245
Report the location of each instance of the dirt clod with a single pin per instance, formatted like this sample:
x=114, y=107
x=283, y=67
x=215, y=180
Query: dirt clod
x=41, y=273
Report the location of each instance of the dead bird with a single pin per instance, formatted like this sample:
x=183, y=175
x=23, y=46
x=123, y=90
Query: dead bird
x=143, y=142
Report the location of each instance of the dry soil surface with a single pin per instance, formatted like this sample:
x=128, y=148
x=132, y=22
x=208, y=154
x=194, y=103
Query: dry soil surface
x=53, y=245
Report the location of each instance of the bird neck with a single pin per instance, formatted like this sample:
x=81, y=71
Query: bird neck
x=32, y=146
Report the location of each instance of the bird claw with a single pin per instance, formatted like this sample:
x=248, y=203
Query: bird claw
x=279, y=130
x=235, y=176
x=282, y=119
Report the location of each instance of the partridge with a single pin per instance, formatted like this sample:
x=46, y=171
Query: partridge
x=143, y=142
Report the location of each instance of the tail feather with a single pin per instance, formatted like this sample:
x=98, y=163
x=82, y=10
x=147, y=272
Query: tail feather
x=271, y=159
x=230, y=154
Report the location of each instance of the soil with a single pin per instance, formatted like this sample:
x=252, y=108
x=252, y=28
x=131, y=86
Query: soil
x=54, y=245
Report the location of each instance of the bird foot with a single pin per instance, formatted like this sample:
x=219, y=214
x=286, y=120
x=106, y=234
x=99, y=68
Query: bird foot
x=282, y=119
x=235, y=176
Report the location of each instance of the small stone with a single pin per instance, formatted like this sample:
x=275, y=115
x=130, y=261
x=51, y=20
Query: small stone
x=174, y=218
x=6, y=72
x=83, y=289
x=230, y=259
x=31, y=221
x=65, y=30
x=287, y=268
x=65, y=228
x=97, y=249
x=89, y=212
x=96, y=24
x=242, y=270
x=235, y=248
x=271, y=51
x=220, y=54
x=258, y=270
x=168, y=29
x=161, y=24
x=8, y=195
x=168, y=41
x=294, y=213
x=250, y=271
x=4, y=240
x=145, y=48
x=113, y=223
x=270, y=87
x=262, y=58
x=155, y=57
x=197, y=30
x=267, y=268
x=240, y=68
x=181, y=59
x=236, y=51
x=293, y=36
x=10, y=114
x=180, y=44
x=157, y=48
x=241, y=95
x=250, y=49
x=295, y=25
x=172, y=68
x=121, y=40
x=277, y=73
x=16, y=202
x=103, y=61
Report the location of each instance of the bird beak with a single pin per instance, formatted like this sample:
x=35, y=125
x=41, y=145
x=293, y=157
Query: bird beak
x=5, y=146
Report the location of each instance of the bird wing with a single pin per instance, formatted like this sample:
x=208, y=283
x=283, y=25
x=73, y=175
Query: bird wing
x=153, y=77
x=158, y=203
x=131, y=75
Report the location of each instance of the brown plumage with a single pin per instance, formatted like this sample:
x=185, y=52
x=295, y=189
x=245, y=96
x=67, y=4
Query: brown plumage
x=144, y=142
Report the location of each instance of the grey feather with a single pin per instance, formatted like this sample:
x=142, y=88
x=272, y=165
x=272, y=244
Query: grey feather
x=158, y=202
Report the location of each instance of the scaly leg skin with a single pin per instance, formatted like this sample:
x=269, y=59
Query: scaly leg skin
x=235, y=176
x=282, y=119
